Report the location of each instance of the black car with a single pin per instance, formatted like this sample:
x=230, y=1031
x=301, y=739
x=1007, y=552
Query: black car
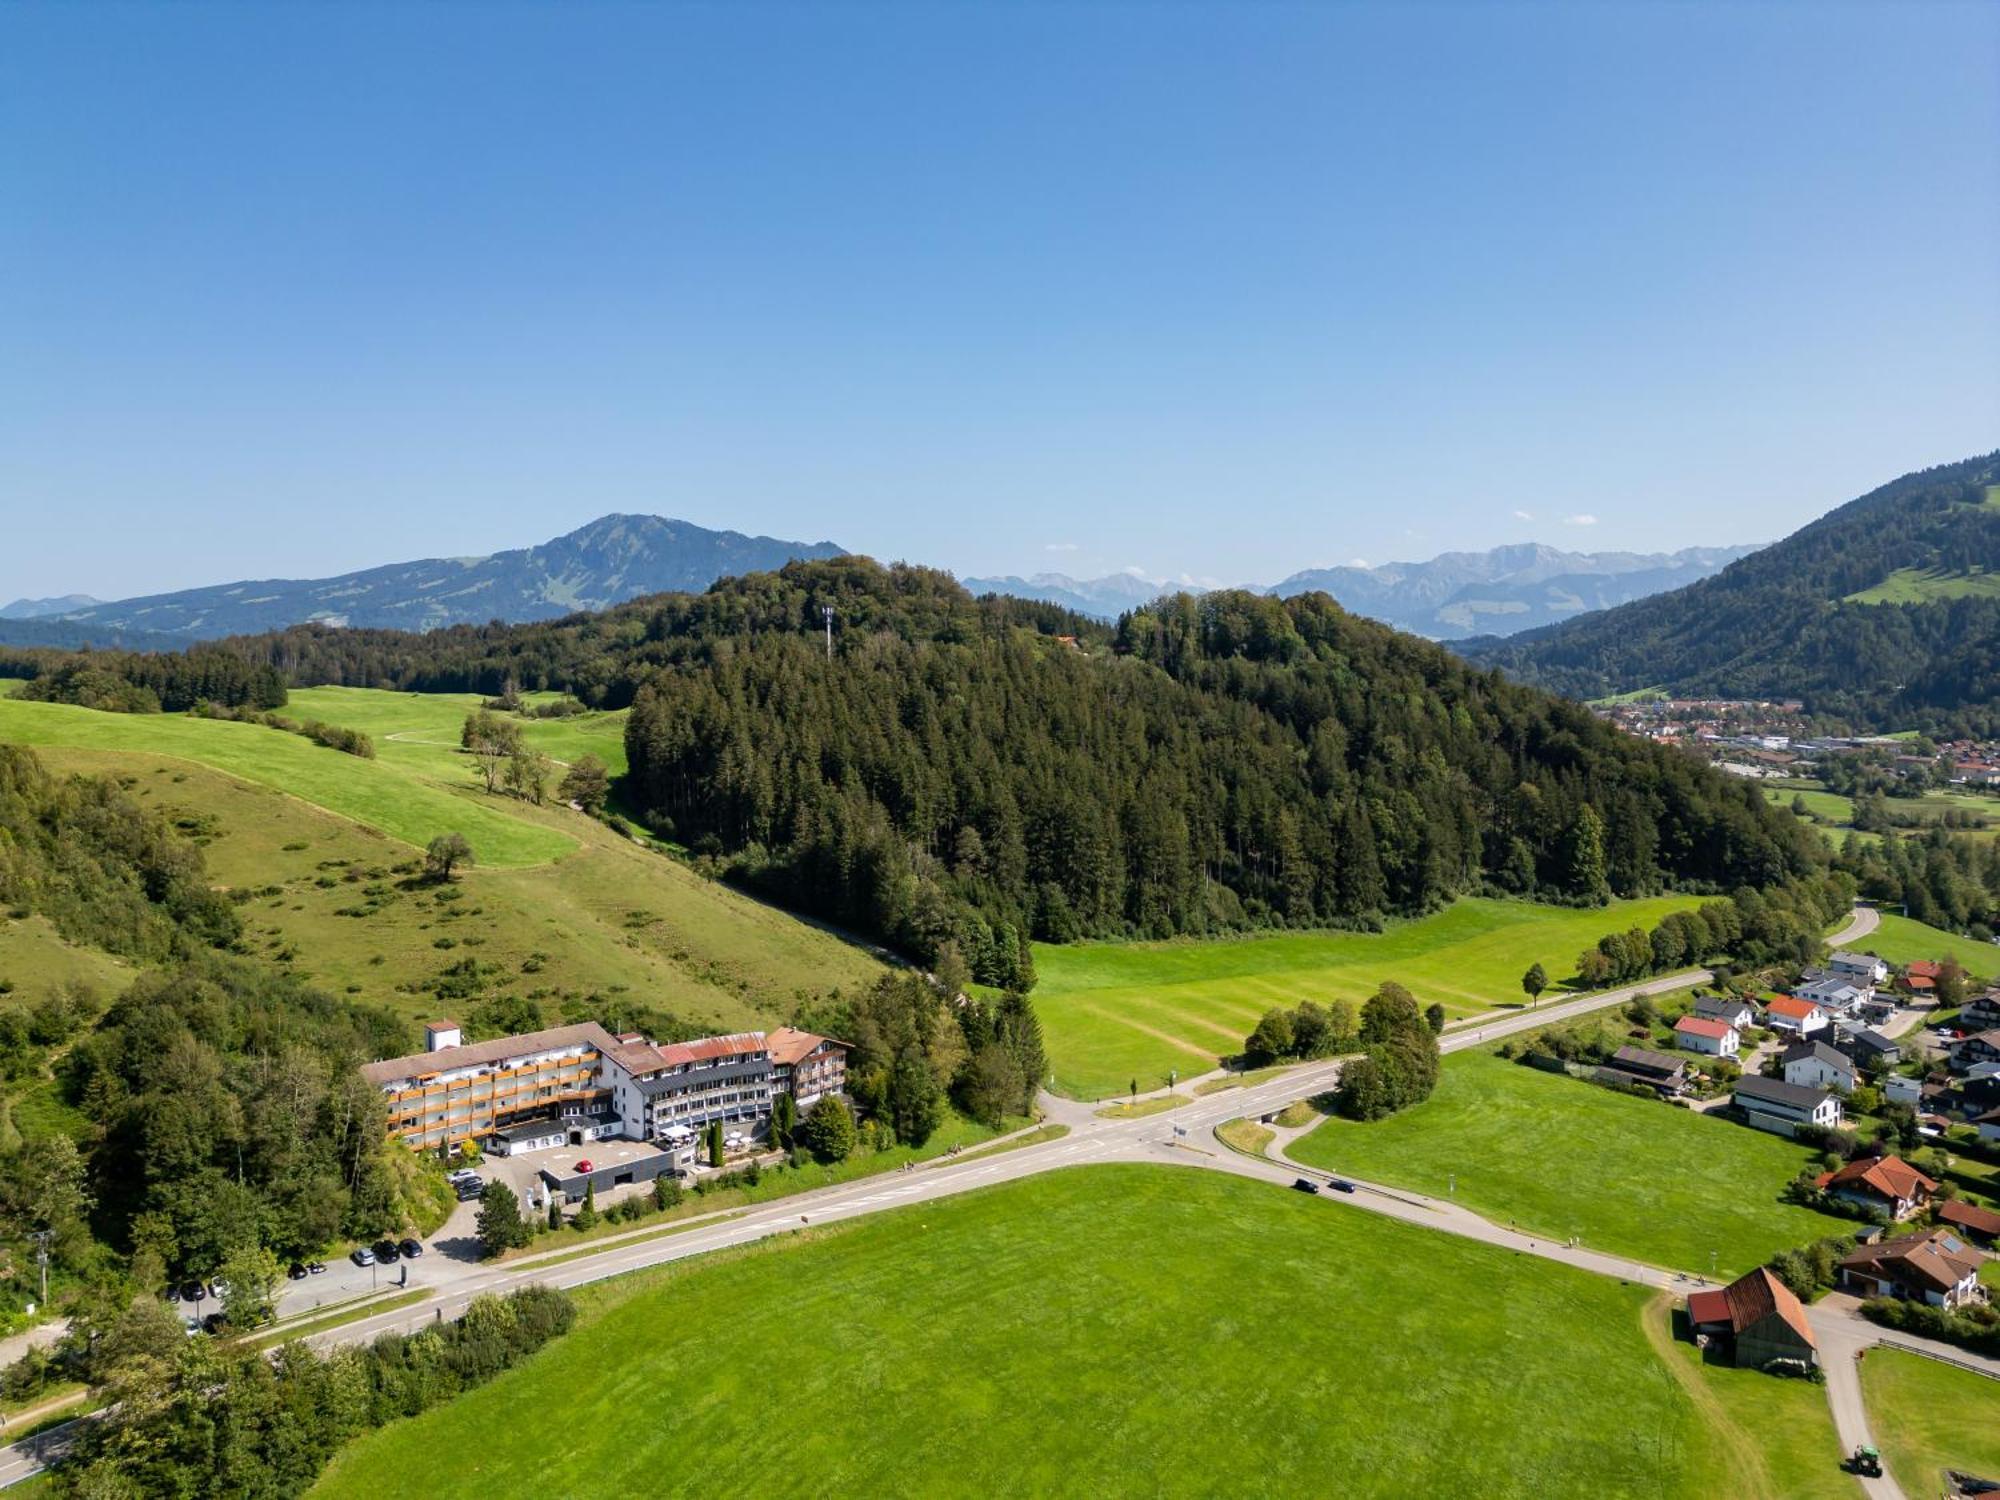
x=1340, y=1185
x=295, y=1271
x=193, y=1291
x=214, y=1323
x=386, y=1253
x=315, y=1268
x=467, y=1191
x=411, y=1249
x=1305, y=1185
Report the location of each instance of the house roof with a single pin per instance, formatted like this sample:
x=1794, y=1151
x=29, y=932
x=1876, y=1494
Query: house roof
x=789, y=1045
x=1924, y=968
x=1991, y=1038
x=1750, y=1299
x=1817, y=1052
x=474, y=1054
x=1798, y=1010
x=1969, y=1216
x=648, y=1058
x=1887, y=1176
x=1703, y=1026
x=1939, y=1260
x=1721, y=1006
x=1777, y=1091
x=1870, y=1041
x=1921, y=982
x=1647, y=1060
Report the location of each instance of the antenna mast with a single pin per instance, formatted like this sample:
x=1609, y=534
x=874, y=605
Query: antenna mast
x=826, y=610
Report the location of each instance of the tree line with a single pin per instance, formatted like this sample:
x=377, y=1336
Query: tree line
x=148, y=682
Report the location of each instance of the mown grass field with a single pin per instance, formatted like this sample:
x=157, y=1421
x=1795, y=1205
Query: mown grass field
x=421, y=729
x=1834, y=811
x=1563, y=1157
x=407, y=801
x=610, y=917
x=1928, y=1417
x=1900, y=941
x=1101, y=1331
x=1116, y=1013
x=1928, y=585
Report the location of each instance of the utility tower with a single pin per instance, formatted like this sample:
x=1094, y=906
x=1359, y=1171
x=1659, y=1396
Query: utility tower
x=826, y=613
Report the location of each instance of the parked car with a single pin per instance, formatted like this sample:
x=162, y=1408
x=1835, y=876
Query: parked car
x=362, y=1256
x=173, y=1293
x=315, y=1268
x=191, y=1325
x=295, y=1272
x=583, y=1166
x=214, y=1323
x=386, y=1252
x=1305, y=1185
x=411, y=1249
x=1340, y=1185
x=220, y=1287
x=193, y=1291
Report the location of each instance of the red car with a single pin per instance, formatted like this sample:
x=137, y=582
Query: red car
x=582, y=1166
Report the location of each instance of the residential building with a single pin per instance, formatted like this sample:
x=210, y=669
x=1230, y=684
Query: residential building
x=1900, y=1090
x=1867, y=1048
x=672, y=1092
x=1699, y=1034
x=1981, y=1225
x=1834, y=993
x=1982, y=1013
x=1661, y=1071
x=1864, y=968
x=1799, y=1017
x=1758, y=1318
x=1818, y=1066
x=1988, y=1125
x=1727, y=1009
x=1981, y=1047
x=455, y=1091
x=1938, y=1268
x=806, y=1066
x=1887, y=1183
x=1781, y=1108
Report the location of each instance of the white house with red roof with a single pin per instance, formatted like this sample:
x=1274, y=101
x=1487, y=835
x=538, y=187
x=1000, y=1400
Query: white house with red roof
x=1701, y=1034
x=1799, y=1017
x=1887, y=1183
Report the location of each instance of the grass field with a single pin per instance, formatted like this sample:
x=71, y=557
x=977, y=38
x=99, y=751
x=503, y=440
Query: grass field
x=1102, y=1331
x=1927, y=585
x=1564, y=1157
x=34, y=959
x=1900, y=940
x=1113, y=1014
x=401, y=798
x=610, y=918
x=421, y=730
x=1928, y=1417
x=1834, y=811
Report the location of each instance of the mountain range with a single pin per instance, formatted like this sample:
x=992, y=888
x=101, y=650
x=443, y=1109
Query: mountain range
x=1884, y=612
x=1451, y=597
x=614, y=558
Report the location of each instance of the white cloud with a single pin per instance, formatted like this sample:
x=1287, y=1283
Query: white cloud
x=1523, y=515
x=1584, y=519
x=1135, y=570
x=1359, y=562
x=1059, y=546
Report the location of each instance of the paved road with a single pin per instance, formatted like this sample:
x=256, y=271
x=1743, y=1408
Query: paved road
x=1182, y=1136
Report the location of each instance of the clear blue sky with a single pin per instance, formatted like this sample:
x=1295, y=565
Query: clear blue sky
x=1221, y=290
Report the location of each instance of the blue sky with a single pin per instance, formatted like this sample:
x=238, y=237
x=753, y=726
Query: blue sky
x=1223, y=291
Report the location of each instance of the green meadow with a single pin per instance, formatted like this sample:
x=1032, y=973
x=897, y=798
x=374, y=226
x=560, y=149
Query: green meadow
x=1928, y=585
x=1562, y=1157
x=1929, y=1417
x=1117, y=1012
x=409, y=801
x=1125, y=1330
x=1900, y=941
x=422, y=729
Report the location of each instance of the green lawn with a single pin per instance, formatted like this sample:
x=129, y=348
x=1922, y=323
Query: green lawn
x=421, y=729
x=1927, y=585
x=403, y=798
x=1562, y=1157
x=1114, y=1014
x=1101, y=1331
x=1900, y=940
x=1928, y=1417
x=611, y=917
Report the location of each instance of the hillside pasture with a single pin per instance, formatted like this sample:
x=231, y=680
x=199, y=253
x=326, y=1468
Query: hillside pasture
x=1113, y=1013
x=1929, y=585
x=1929, y=1417
x=421, y=730
x=1126, y=1330
x=1560, y=1157
x=1901, y=940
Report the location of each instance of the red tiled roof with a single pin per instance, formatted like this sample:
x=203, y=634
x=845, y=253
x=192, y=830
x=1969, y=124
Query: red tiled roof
x=1919, y=982
x=1969, y=1216
x=1788, y=1005
x=1702, y=1026
x=1924, y=968
x=790, y=1045
x=1888, y=1176
x=1749, y=1299
x=1708, y=1307
x=1939, y=1260
x=645, y=1059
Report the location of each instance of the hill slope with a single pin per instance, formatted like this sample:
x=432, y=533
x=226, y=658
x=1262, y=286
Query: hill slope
x=1880, y=612
x=614, y=558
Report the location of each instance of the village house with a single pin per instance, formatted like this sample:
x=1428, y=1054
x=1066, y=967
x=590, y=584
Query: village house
x=806, y=1066
x=1887, y=1183
x=1981, y=1225
x=1988, y=1126
x=1797, y=1017
x=1757, y=1319
x=1699, y=1034
x=1817, y=1066
x=1981, y=1047
x=1867, y=1048
x=1900, y=1090
x=1781, y=1108
x=1858, y=968
x=1938, y=1268
x=1834, y=993
x=1981, y=1013
x=1727, y=1009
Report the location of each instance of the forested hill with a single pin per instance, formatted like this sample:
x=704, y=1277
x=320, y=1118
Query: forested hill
x=1885, y=612
x=1233, y=761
